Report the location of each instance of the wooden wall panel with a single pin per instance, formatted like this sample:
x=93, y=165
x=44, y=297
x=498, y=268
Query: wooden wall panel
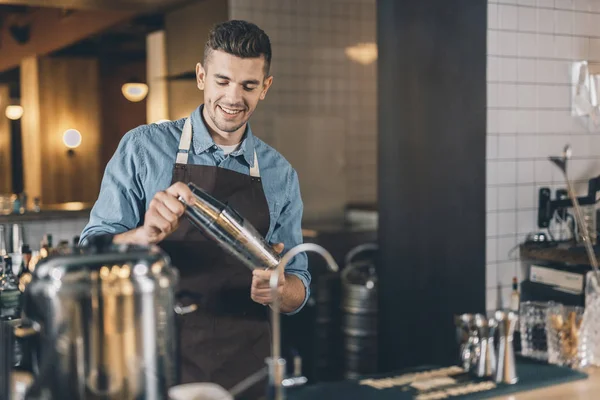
x=30, y=128
x=5, y=143
x=186, y=32
x=157, y=102
x=69, y=99
x=60, y=94
x=119, y=115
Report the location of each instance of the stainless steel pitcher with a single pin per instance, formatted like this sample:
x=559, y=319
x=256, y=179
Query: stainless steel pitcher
x=105, y=320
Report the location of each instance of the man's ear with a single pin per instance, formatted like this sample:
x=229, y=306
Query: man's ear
x=200, y=76
x=267, y=84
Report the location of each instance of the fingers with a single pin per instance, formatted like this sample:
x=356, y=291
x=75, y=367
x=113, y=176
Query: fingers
x=262, y=296
x=260, y=291
x=164, y=212
x=278, y=247
x=261, y=279
x=181, y=189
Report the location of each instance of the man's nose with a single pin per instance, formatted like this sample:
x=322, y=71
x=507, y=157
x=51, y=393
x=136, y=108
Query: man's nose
x=234, y=94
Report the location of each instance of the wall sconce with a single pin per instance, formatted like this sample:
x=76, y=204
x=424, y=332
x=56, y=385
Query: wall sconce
x=72, y=140
x=134, y=90
x=362, y=53
x=13, y=112
x=585, y=77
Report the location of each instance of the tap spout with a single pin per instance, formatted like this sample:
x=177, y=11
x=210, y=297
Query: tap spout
x=276, y=375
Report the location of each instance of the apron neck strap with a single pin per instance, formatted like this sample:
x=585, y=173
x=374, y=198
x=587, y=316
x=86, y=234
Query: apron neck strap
x=184, y=148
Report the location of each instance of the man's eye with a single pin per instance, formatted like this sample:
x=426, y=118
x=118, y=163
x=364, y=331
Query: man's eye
x=249, y=88
x=222, y=83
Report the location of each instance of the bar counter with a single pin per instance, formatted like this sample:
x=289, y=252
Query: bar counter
x=586, y=389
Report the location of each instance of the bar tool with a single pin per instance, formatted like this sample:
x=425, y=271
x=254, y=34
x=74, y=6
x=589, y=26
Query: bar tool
x=486, y=357
x=506, y=370
x=468, y=340
x=561, y=163
x=230, y=230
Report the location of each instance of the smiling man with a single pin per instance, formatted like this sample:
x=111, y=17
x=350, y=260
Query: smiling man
x=227, y=337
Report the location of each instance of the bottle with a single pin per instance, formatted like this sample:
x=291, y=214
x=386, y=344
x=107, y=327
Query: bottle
x=23, y=197
x=3, y=249
x=515, y=296
x=26, y=251
x=10, y=296
x=46, y=246
x=36, y=204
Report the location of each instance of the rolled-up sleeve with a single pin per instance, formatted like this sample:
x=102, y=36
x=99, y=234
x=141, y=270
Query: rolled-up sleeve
x=288, y=230
x=121, y=203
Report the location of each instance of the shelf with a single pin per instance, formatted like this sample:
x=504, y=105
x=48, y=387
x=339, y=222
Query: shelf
x=559, y=253
x=50, y=212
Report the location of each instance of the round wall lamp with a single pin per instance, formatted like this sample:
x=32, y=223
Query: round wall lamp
x=13, y=112
x=134, y=90
x=72, y=140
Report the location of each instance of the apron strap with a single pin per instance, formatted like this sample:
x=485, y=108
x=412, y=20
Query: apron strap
x=184, y=142
x=184, y=148
x=254, y=171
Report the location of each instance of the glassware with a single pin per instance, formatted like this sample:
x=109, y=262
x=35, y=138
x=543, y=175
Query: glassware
x=590, y=344
x=532, y=326
x=6, y=204
x=564, y=335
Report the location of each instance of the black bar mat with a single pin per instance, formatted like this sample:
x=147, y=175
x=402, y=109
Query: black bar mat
x=532, y=375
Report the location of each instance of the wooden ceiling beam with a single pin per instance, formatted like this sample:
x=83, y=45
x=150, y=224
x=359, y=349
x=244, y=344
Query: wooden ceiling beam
x=51, y=29
x=115, y=5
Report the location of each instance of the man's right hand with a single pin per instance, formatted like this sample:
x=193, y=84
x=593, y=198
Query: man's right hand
x=162, y=216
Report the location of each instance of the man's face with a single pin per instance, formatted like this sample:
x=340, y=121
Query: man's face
x=232, y=88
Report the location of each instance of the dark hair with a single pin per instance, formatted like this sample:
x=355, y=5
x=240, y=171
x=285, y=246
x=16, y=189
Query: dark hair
x=241, y=39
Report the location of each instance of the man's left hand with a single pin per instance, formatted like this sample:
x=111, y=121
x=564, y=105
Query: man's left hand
x=261, y=291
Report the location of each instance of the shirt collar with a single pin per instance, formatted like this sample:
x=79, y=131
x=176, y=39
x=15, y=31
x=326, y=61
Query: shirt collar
x=202, y=141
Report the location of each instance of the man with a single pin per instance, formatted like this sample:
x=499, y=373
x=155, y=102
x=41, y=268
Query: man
x=227, y=338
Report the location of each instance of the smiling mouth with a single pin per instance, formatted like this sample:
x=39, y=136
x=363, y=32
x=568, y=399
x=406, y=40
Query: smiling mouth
x=229, y=111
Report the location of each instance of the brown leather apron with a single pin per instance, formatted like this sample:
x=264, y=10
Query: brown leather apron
x=228, y=337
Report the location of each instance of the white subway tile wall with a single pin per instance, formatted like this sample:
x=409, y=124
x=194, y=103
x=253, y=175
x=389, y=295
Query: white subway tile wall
x=531, y=44
x=314, y=78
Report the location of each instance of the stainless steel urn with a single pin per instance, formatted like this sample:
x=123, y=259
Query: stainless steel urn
x=105, y=324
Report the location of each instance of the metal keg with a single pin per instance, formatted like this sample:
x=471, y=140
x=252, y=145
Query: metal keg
x=359, y=320
x=327, y=340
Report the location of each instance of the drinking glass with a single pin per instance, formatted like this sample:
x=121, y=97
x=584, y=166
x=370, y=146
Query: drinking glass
x=563, y=324
x=532, y=325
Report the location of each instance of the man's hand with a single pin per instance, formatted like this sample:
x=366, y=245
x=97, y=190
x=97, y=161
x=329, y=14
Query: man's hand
x=162, y=216
x=261, y=290
x=290, y=290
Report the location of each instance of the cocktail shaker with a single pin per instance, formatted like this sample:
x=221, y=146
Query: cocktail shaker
x=230, y=230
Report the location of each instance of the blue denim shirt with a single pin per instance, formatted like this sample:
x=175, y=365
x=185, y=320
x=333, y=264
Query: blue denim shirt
x=143, y=165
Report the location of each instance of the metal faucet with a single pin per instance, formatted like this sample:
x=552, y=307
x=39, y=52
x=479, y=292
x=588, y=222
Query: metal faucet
x=276, y=364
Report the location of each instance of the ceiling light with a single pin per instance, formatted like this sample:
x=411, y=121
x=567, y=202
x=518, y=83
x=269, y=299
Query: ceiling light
x=134, y=90
x=363, y=53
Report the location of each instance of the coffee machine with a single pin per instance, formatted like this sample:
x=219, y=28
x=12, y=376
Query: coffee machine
x=555, y=265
